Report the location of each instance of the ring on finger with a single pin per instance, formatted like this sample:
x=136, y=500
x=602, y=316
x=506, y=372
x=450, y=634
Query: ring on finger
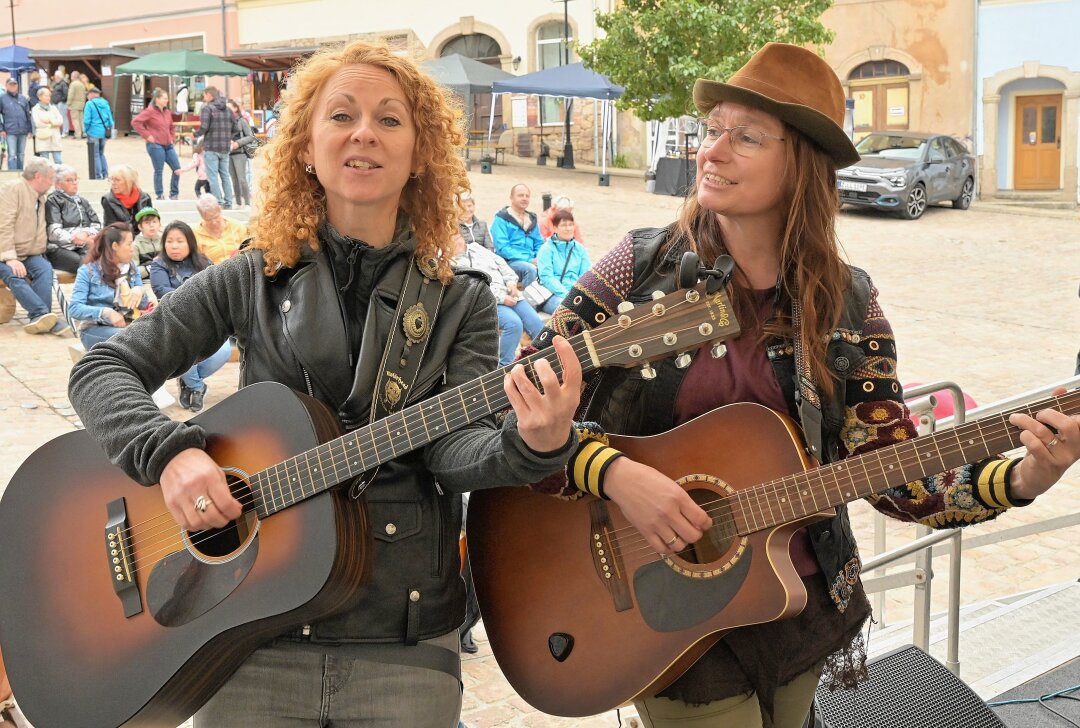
x=1053, y=442
x=201, y=503
x=672, y=541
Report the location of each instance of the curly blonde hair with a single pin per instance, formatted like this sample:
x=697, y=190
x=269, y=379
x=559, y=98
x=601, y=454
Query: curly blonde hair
x=294, y=203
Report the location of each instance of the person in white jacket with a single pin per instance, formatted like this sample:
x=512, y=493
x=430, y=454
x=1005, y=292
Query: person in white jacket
x=515, y=313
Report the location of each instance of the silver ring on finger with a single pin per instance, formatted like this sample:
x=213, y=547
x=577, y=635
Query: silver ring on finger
x=1050, y=445
x=201, y=503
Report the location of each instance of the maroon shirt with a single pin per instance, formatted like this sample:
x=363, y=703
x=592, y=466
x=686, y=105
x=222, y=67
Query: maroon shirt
x=155, y=125
x=743, y=375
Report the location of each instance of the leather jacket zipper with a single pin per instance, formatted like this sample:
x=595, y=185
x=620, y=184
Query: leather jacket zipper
x=307, y=381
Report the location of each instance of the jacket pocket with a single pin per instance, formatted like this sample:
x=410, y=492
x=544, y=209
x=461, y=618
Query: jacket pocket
x=395, y=521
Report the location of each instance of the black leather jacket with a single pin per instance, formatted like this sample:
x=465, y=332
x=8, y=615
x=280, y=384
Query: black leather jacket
x=624, y=402
x=114, y=211
x=63, y=212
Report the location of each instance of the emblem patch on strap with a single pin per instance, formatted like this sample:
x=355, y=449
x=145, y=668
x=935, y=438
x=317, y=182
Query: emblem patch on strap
x=429, y=267
x=416, y=322
x=393, y=389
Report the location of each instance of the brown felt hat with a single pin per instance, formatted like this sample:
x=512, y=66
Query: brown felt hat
x=796, y=86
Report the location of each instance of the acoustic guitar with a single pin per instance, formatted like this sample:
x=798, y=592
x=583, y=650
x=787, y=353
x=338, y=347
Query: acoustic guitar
x=584, y=616
x=112, y=615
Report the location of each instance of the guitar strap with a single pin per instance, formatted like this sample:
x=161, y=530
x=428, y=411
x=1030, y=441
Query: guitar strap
x=806, y=394
x=418, y=306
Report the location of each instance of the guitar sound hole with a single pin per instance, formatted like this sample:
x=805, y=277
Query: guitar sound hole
x=218, y=543
x=717, y=539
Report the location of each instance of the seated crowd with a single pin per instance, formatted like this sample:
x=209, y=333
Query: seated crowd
x=124, y=263
x=119, y=275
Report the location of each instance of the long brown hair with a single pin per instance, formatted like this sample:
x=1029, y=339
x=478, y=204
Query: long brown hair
x=811, y=267
x=101, y=251
x=294, y=202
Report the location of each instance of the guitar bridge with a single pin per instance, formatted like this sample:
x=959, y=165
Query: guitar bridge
x=607, y=556
x=118, y=553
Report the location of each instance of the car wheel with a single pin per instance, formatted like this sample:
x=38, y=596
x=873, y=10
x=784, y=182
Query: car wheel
x=963, y=202
x=916, y=203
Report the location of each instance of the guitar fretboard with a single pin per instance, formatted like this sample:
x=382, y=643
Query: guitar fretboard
x=796, y=496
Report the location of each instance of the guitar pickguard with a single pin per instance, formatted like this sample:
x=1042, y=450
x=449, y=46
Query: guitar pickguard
x=182, y=587
x=670, y=602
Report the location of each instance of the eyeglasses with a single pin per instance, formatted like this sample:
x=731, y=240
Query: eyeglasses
x=745, y=142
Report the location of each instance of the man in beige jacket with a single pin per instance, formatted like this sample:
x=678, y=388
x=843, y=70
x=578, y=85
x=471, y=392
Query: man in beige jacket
x=24, y=269
x=76, y=101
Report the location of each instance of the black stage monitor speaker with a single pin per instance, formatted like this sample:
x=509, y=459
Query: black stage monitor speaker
x=907, y=689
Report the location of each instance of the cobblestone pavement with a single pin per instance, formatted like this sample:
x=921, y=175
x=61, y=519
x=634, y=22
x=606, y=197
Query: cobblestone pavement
x=980, y=298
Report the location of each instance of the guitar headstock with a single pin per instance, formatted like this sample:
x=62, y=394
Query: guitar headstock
x=678, y=322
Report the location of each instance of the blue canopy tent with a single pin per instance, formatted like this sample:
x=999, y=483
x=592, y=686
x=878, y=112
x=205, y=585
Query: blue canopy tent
x=572, y=81
x=15, y=58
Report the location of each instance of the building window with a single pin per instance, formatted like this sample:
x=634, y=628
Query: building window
x=485, y=49
x=878, y=69
x=550, y=53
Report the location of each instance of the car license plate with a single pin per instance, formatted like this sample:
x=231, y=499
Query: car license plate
x=853, y=186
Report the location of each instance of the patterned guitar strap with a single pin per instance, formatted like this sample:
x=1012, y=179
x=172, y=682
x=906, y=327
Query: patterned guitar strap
x=418, y=305
x=806, y=393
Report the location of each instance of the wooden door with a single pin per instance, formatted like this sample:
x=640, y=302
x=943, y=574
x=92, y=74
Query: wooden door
x=880, y=107
x=1038, y=142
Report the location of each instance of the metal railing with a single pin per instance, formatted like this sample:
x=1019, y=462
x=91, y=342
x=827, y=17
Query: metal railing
x=921, y=402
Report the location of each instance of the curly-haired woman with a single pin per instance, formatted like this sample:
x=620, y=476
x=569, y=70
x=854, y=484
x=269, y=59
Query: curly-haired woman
x=358, y=198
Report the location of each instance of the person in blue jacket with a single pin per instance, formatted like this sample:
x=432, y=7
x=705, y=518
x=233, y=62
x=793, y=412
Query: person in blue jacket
x=16, y=124
x=97, y=124
x=562, y=260
x=179, y=260
x=517, y=234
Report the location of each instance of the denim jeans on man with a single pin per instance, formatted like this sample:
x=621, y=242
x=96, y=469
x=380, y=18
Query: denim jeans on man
x=512, y=321
x=16, y=147
x=102, y=166
x=193, y=378
x=34, y=291
x=525, y=270
x=160, y=155
x=217, y=171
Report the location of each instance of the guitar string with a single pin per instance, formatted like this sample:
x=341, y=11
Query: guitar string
x=764, y=492
x=604, y=354
x=760, y=493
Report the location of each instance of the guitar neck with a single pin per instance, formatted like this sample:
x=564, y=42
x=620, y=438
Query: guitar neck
x=334, y=462
x=803, y=494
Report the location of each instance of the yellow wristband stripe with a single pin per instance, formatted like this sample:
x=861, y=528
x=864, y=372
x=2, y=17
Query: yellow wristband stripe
x=991, y=487
x=581, y=460
x=595, y=469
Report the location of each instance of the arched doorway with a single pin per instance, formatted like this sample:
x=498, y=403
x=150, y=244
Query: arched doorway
x=880, y=90
x=483, y=48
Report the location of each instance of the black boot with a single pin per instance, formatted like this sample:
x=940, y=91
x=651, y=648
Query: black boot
x=185, y=395
x=467, y=643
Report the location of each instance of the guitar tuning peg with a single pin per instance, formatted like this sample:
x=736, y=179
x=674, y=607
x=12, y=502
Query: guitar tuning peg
x=647, y=372
x=657, y=295
x=683, y=360
x=719, y=351
x=624, y=307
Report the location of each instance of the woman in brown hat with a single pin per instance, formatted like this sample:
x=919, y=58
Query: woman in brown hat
x=771, y=141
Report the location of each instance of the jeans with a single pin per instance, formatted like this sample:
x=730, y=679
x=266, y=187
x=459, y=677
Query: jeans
x=293, y=684
x=551, y=304
x=62, y=108
x=238, y=165
x=34, y=291
x=217, y=170
x=512, y=321
x=97, y=334
x=526, y=271
x=160, y=155
x=193, y=378
x=102, y=166
x=16, y=147
x=55, y=156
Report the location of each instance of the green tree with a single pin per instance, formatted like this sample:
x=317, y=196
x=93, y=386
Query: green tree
x=658, y=48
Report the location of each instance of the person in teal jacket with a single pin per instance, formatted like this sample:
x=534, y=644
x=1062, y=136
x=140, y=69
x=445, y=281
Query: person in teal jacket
x=97, y=124
x=516, y=234
x=562, y=260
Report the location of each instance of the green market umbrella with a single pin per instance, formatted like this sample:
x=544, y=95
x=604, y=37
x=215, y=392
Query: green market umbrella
x=181, y=63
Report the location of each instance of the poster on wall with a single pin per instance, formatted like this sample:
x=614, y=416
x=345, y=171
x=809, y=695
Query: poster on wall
x=519, y=113
x=138, y=103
